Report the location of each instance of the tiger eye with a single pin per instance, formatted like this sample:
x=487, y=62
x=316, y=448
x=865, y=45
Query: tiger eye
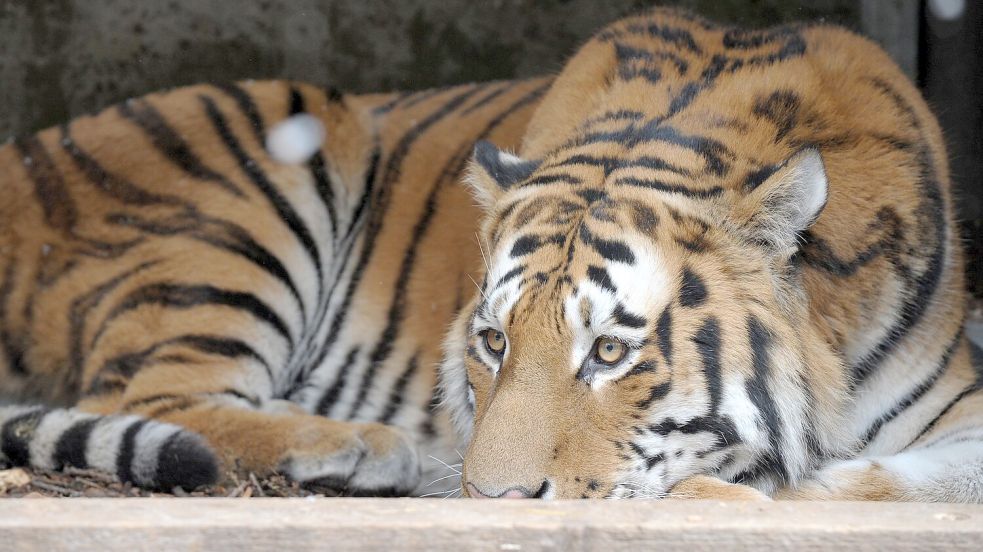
x=609, y=351
x=495, y=341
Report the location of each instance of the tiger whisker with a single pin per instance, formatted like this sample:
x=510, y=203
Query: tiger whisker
x=481, y=291
x=445, y=464
x=445, y=494
x=482, y=250
x=443, y=478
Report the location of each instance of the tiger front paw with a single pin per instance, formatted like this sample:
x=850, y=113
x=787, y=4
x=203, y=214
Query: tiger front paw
x=370, y=459
x=704, y=487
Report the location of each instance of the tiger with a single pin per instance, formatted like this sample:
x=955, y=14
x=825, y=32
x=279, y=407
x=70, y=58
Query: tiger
x=722, y=264
x=179, y=306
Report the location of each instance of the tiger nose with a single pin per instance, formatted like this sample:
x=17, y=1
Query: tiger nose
x=511, y=492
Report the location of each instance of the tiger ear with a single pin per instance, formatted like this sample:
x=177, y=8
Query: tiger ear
x=492, y=172
x=783, y=201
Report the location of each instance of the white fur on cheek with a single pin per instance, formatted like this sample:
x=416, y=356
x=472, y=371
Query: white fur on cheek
x=296, y=139
x=455, y=390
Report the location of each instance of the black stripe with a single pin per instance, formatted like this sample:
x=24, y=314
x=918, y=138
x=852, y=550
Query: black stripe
x=650, y=461
x=615, y=115
x=396, y=395
x=349, y=241
x=56, y=202
x=387, y=179
x=110, y=184
x=721, y=427
x=525, y=245
x=599, y=275
x=676, y=36
x=181, y=296
x=220, y=234
x=13, y=347
x=656, y=164
x=333, y=391
x=607, y=164
x=235, y=239
x=627, y=319
x=933, y=207
x=663, y=330
x=661, y=186
x=127, y=450
x=612, y=250
x=397, y=309
x=318, y=167
x=969, y=390
x=758, y=177
x=780, y=108
x=917, y=393
x=483, y=101
x=71, y=446
x=428, y=427
x=545, y=179
x=248, y=108
x=183, y=460
x=758, y=391
x=80, y=309
x=692, y=292
x=707, y=340
x=125, y=365
x=628, y=53
x=628, y=73
x=249, y=166
x=656, y=392
x=170, y=144
x=508, y=276
x=419, y=97
x=16, y=436
x=385, y=108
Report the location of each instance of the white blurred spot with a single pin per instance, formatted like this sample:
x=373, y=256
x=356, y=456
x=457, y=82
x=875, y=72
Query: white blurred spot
x=947, y=10
x=296, y=139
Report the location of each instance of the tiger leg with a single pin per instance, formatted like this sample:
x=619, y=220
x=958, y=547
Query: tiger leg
x=705, y=487
x=252, y=432
x=945, y=464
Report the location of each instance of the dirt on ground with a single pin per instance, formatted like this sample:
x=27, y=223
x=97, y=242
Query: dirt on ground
x=72, y=482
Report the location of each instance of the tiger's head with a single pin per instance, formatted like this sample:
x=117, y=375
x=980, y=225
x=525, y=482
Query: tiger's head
x=642, y=316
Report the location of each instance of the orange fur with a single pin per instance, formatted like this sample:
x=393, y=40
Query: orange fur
x=690, y=145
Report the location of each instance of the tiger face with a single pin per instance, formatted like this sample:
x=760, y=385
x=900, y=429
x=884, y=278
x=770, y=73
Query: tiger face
x=615, y=346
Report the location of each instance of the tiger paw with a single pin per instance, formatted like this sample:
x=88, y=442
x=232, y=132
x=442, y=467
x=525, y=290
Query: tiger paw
x=704, y=487
x=369, y=459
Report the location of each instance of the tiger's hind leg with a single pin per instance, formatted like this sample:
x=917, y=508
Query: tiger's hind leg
x=251, y=432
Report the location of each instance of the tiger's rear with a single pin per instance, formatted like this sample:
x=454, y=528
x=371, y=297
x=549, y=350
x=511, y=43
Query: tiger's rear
x=202, y=307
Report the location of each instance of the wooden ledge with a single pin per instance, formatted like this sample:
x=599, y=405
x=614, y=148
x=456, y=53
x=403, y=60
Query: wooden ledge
x=427, y=524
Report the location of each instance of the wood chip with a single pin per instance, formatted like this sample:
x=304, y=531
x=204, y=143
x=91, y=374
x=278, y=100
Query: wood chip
x=54, y=488
x=256, y=485
x=12, y=479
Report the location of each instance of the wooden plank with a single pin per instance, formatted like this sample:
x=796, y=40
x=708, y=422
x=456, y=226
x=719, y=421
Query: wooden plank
x=421, y=524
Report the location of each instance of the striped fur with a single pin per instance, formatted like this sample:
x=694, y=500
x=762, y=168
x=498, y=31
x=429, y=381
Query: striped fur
x=756, y=226
x=146, y=452
x=201, y=307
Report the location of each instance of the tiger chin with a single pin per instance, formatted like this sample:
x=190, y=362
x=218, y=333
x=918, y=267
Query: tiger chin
x=722, y=265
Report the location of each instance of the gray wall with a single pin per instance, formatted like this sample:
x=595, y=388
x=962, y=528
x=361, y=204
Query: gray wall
x=60, y=58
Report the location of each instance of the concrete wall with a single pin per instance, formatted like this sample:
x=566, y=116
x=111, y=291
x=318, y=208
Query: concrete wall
x=60, y=58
